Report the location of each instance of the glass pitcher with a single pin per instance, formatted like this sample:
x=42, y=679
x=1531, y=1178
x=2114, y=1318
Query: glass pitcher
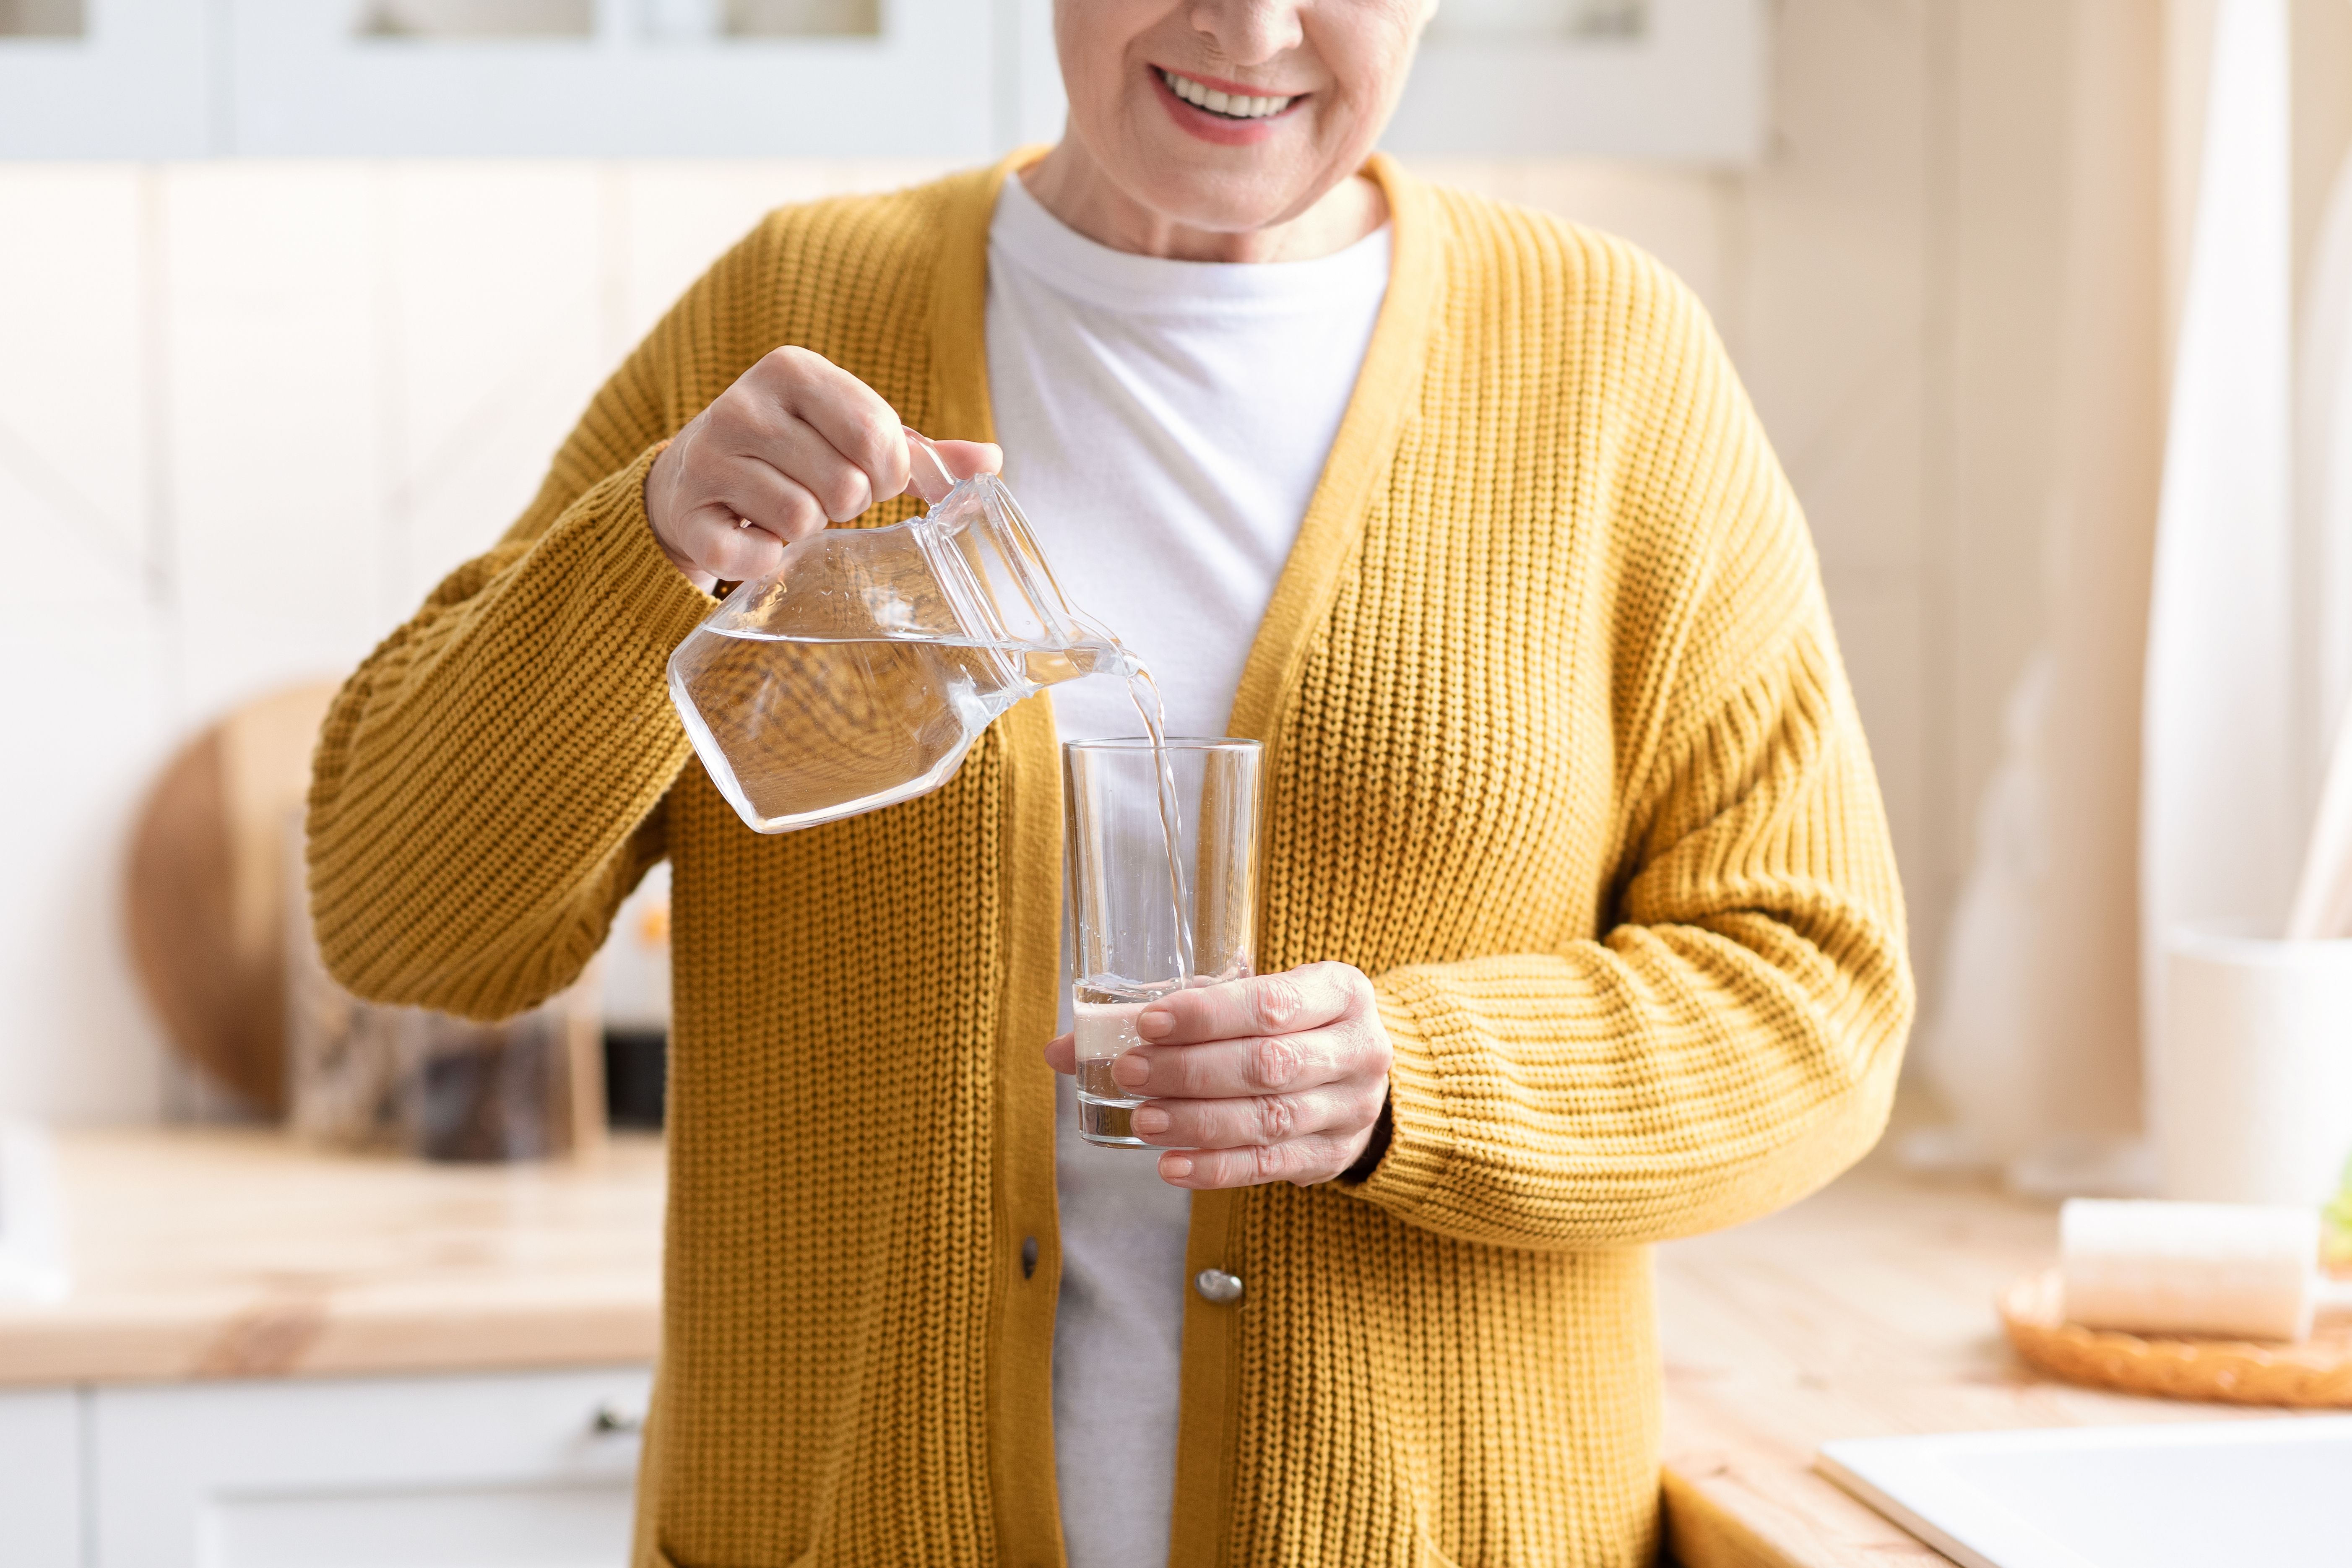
x=858, y=673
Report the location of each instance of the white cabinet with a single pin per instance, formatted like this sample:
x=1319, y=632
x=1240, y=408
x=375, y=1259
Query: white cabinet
x=130, y=78
x=910, y=78
x=1683, y=80
x=40, y=1478
x=172, y=78
x=524, y=1470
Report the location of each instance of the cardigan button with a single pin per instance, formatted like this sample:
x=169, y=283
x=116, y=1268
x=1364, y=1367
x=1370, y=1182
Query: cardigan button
x=1216, y=1285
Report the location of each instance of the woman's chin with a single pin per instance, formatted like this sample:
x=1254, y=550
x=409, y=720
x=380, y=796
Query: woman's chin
x=1218, y=207
x=1212, y=189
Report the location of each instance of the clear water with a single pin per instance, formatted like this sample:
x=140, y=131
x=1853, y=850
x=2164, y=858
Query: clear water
x=1140, y=685
x=800, y=731
x=1104, y=1028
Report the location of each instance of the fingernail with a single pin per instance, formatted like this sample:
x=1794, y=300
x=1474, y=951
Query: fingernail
x=1175, y=1167
x=1129, y=1072
x=1149, y=1121
x=1154, y=1022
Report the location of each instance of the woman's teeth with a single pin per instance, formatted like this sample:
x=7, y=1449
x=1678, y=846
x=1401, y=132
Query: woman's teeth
x=1232, y=105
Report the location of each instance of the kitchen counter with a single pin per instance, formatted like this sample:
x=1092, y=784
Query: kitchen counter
x=215, y=1254
x=1866, y=1309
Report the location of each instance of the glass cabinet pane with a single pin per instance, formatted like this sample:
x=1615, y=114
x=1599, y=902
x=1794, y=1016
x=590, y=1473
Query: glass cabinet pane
x=475, y=19
x=803, y=18
x=1541, y=19
x=41, y=19
x=685, y=20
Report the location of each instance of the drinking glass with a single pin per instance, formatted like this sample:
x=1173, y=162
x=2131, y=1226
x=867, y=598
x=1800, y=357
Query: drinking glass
x=1135, y=909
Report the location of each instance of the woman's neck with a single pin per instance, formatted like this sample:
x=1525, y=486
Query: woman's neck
x=1070, y=184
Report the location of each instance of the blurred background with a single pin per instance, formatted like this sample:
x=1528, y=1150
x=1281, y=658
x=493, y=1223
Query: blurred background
x=297, y=298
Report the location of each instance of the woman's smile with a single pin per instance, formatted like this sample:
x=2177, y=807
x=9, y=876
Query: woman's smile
x=1226, y=113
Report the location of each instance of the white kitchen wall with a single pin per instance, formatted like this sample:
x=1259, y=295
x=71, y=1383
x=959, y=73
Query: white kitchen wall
x=86, y=699
x=249, y=412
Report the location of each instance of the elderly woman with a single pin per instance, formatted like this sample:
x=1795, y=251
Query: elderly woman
x=1580, y=926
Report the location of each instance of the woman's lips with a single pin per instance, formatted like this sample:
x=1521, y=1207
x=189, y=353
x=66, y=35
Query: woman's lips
x=1222, y=130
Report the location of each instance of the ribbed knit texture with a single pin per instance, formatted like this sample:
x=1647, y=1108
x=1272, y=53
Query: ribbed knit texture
x=1560, y=752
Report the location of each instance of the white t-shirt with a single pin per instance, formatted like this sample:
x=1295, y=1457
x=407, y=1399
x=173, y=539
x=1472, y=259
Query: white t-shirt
x=1165, y=424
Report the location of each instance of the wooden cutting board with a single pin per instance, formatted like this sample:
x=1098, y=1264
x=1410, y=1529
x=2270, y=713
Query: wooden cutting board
x=208, y=883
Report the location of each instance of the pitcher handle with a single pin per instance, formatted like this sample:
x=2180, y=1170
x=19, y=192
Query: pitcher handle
x=932, y=487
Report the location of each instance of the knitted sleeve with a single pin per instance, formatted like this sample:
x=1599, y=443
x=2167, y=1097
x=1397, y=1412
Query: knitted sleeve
x=1730, y=1040
x=488, y=785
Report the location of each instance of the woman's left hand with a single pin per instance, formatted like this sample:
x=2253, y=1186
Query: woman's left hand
x=1277, y=1077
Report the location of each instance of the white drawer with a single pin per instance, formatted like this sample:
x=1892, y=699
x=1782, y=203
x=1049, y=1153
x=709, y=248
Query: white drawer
x=510, y=1471
x=40, y=1478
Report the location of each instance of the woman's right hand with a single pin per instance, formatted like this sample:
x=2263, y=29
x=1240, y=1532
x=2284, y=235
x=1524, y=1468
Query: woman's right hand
x=796, y=443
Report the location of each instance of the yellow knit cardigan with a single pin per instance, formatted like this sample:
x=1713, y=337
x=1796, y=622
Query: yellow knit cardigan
x=1559, y=750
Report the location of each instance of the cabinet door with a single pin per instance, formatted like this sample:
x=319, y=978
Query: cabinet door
x=1681, y=80
x=40, y=1478
x=613, y=78
x=110, y=79
x=522, y=1471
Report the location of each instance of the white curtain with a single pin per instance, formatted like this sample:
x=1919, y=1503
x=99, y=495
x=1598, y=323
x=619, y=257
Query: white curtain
x=2034, y=1050
x=2324, y=480
x=2222, y=758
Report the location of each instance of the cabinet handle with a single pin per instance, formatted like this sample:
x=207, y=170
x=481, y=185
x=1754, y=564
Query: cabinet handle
x=611, y=1420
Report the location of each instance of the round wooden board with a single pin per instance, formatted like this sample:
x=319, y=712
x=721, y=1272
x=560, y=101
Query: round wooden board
x=2314, y=1375
x=206, y=886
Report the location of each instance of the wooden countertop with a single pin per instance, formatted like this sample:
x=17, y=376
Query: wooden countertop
x=243, y=1254
x=1866, y=1309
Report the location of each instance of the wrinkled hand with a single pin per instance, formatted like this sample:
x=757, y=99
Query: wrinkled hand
x=796, y=443
x=1279, y=1078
